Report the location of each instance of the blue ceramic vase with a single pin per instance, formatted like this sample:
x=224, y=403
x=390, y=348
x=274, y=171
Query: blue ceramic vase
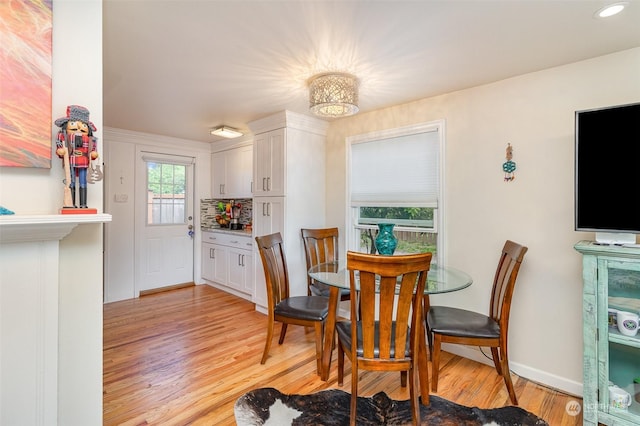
x=386, y=242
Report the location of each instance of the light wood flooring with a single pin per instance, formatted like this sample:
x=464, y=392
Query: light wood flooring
x=183, y=357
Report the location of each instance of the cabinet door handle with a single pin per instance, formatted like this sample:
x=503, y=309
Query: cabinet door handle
x=263, y=211
x=242, y=260
x=239, y=260
x=212, y=253
x=268, y=209
x=268, y=184
x=264, y=184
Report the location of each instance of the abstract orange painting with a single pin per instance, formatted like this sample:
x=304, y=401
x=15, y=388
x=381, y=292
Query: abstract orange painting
x=25, y=83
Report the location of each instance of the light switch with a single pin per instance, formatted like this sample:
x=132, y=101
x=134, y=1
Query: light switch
x=121, y=198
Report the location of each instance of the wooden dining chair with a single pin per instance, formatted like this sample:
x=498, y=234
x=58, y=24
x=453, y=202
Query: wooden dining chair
x=321, y=246
x=387, y=334
x=308, y=311
x=453, y=325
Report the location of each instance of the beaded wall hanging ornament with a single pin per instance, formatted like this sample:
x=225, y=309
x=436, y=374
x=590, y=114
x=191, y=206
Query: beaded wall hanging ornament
x=509, y=166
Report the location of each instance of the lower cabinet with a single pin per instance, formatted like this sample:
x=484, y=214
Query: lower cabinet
x=227, y=261
x=241, y=270
x=268, y=218
x=214, y=262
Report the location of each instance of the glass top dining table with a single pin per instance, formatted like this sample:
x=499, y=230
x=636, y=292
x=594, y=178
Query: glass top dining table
x=439, y=279
x=336, y=277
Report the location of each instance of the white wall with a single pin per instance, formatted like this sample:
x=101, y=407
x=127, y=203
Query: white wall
x=77, y=79
x=535, y=113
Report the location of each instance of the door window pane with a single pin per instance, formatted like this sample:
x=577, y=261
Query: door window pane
x=165, y=193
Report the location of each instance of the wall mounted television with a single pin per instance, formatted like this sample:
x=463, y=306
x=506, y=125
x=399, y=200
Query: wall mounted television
x=607, y=173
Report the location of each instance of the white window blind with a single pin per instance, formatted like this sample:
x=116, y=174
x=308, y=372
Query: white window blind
x=399, y=171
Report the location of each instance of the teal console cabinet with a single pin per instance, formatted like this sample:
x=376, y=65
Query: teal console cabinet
x=611, y=276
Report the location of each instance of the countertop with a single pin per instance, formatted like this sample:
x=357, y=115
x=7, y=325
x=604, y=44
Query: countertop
x=239, y=232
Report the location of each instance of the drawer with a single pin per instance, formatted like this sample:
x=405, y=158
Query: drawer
x=238, y=241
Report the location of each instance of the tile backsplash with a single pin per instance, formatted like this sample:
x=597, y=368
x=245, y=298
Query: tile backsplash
x=209, y=210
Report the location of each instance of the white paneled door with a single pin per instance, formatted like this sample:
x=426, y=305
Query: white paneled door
x=164, y=219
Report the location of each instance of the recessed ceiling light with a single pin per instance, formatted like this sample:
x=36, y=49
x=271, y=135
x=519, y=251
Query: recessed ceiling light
x=611, y=9
x=226, y=132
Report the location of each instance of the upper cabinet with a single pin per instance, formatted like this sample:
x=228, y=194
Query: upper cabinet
x=218, y=173
x=269, y=161
x=232, y=172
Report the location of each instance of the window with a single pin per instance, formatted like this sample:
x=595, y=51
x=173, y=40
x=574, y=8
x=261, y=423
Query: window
x=165, y=193
x=395, y=176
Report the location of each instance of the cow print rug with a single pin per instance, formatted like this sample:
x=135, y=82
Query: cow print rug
x=269, y=407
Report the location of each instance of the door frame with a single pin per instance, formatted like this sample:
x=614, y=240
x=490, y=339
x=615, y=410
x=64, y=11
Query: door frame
x=142, y=154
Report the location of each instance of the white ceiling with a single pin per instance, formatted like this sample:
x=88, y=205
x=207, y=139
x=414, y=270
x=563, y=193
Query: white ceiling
x=181, y=67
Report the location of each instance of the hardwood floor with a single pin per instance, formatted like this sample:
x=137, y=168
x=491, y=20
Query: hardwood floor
x=184, y=356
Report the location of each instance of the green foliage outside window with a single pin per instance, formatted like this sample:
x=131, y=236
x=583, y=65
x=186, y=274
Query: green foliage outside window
x=166, y=184
x=409, y=222
x=166, y=178
x=413, y=214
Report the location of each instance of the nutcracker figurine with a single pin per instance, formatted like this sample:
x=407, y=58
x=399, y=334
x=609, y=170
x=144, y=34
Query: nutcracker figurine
x=77, y=147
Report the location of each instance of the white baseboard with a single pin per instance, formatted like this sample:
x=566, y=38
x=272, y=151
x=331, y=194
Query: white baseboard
x=544, y=378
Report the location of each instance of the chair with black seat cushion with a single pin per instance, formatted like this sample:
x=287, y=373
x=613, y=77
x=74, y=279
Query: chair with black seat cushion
x=453, y=325
x=308, y=311
x=386, y=336
x=321, y=246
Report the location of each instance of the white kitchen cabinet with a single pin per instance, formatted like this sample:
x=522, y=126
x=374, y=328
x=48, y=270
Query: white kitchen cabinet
x=249, y=270
x=241, y=269
x=289, y=188
x=269, y=163
x=268, y=215
x=227, y=261
x=208, y=265
x=232, y=172
x=242, y=164
x=218, y=173
x=214, y=262
x=268, y=218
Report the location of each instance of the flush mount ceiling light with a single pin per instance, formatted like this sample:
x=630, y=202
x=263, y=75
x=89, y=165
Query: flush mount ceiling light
x=333, y=94
x=226, y=132
x=611, y=9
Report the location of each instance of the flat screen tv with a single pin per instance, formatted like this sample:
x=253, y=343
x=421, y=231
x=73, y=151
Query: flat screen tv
x=607, y=173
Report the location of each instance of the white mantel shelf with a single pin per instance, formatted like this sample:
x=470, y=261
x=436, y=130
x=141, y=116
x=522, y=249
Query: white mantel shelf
x=31, y=228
